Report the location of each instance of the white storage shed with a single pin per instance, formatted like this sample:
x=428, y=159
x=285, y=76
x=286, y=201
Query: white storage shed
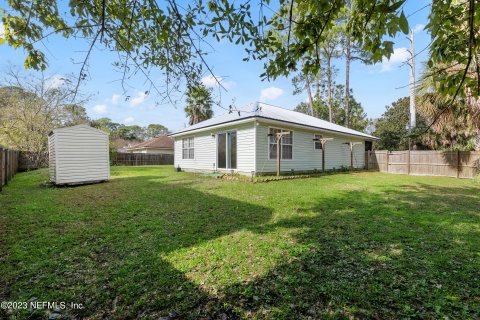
x=78, y=154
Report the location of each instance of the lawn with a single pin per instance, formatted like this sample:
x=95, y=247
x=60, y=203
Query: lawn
x=154, y=243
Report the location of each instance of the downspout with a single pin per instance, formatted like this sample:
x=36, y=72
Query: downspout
x=255, y=123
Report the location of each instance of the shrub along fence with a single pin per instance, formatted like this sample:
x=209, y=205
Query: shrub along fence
x=8, y=165
x=32, y=160
x=141, y=159
x=458, y=164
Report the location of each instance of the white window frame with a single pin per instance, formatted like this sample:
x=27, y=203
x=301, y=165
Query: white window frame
x=190, y=141
x=320, y=136
x=281, y=143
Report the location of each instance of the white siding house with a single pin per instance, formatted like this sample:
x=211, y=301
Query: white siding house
x=243, y=142
x=78, y=154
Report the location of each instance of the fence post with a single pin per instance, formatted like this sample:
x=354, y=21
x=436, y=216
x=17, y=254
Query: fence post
x=388, y=156
x=408, y=162
x=6, y=166
x=458, y=164
x=1, y=168
x=367, y=158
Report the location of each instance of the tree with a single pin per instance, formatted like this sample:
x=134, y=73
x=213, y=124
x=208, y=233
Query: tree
x=31, y=107
x=359, y=118
x=169, y=36
x=106, y=124
x=454, y=120
x=199, y=103
x=392, y=129
x=154, y=130
x=331, y=50
x=144, y=33
x=74, y=114
x=307, y=82
x=133, y=132
x=352, y=51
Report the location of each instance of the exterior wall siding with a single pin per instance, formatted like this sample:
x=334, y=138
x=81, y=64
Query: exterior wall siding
x=81, y=155
x=51, y=158
x=252, y=150
x=305, y=157
x=205, y=154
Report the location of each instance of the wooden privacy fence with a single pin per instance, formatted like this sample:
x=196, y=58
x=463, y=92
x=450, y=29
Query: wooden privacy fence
x=458, y=164
x=141, y=159
x=8, y=165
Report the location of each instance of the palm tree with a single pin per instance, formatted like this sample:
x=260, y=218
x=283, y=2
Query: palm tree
x=456, y=122
x=199, y=103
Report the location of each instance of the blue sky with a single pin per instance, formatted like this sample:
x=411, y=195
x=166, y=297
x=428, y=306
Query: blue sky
x=374, y=86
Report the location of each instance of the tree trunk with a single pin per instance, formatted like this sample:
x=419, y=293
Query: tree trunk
x=317, y=78
x=309, y=90
x=476, y=140
x=347, y=82
x=330, y=89
x=317, y=89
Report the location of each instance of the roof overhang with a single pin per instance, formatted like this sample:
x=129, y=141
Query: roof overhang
x=140, y=148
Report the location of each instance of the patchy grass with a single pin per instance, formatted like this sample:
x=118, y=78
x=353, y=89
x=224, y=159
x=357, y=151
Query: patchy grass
x=153, y=242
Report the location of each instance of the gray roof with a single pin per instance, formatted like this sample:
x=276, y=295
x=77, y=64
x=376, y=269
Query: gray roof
x=266, y=111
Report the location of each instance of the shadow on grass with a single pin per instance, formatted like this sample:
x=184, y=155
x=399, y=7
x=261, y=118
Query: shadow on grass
x=406, y=252
x=104, y=246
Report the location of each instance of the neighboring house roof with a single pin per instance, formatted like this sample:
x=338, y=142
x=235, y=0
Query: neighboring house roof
x=161, y=142
x=265, y=111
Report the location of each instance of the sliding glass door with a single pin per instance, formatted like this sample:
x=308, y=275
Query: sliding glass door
x=227, y=150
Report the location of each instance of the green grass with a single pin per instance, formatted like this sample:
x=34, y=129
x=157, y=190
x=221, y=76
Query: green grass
x=152, y=242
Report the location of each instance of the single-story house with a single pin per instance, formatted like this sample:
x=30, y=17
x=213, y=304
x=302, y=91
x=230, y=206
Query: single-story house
x=158, y=145
x=245, y=142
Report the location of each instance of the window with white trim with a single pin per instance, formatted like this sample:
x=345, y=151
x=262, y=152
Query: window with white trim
x=317, y=145
x=286, y=144
x=188, y=148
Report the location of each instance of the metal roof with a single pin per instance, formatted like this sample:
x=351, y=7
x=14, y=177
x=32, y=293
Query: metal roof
x=266, y=111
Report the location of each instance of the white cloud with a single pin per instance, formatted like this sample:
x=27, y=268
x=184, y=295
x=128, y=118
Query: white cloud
x=100, y=109
x=210, y=82
x=398, y=56
x=115, y=98
x=139, y=99
x=270, y=93
x=419, y=27
x=54, y=81
x=128, y=120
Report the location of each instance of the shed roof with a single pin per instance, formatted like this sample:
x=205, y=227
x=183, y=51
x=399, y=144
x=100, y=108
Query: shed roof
x=161, y=142
x=266, y=111
x=83, y=125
